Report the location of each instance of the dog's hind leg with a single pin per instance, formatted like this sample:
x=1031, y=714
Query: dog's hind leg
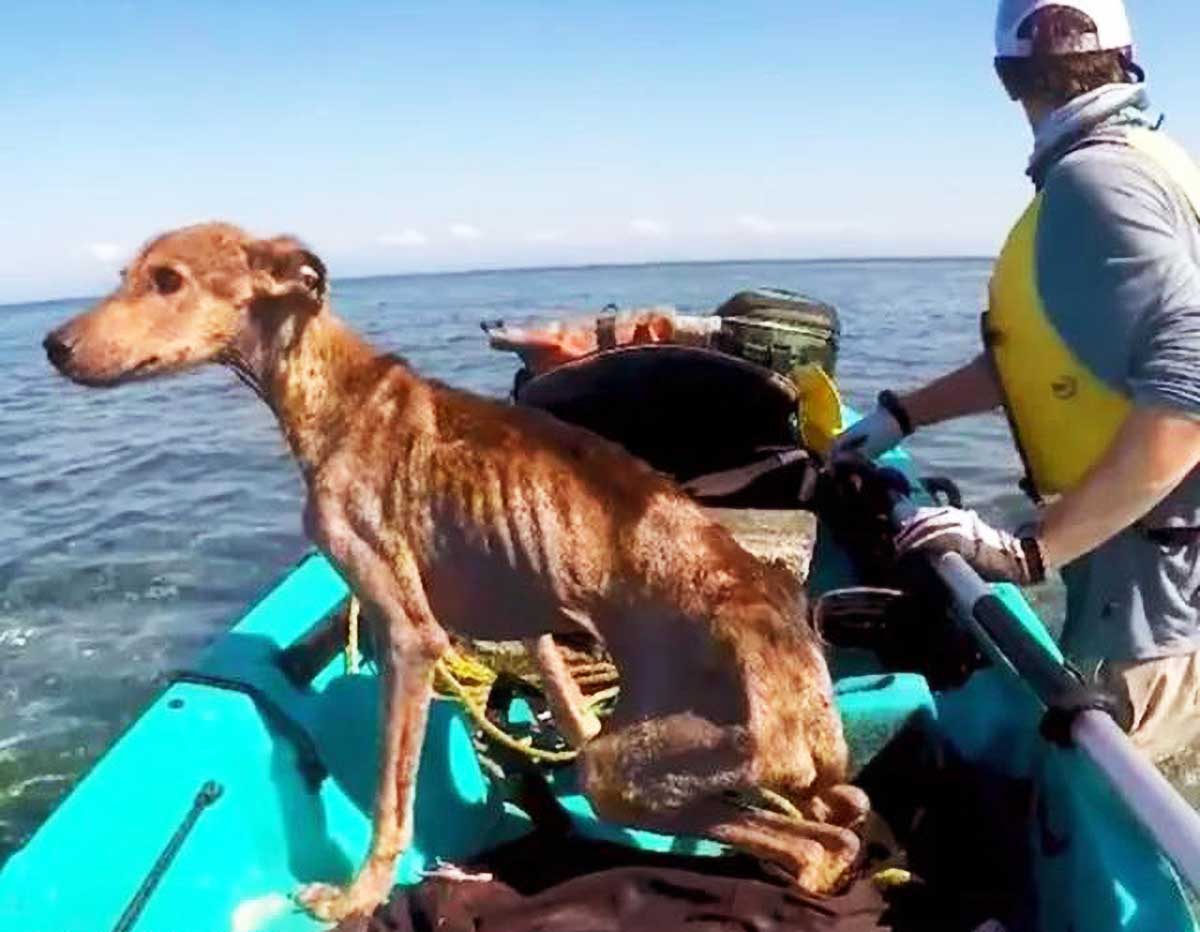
x=414, y=641
x=814, y=856
x=575, y=721
x=676, y=775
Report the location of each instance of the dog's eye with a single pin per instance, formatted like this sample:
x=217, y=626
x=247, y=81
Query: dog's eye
x=166, y=280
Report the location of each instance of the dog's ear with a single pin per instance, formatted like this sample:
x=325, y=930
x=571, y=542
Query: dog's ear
x=282, y=267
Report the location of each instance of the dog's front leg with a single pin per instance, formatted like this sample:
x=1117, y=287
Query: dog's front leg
x=415, y=641
x=574, y=719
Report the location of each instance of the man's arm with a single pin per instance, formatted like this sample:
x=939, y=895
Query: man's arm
x=1114, y=236
x=1155, y=450
x=970, y=389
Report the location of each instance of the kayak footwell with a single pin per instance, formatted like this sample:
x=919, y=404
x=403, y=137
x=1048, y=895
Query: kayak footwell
x=955, y=859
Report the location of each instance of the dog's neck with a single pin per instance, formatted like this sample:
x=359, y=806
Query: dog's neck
x=314, y=372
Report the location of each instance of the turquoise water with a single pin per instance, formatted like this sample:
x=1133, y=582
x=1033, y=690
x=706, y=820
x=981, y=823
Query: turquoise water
x=137, y=522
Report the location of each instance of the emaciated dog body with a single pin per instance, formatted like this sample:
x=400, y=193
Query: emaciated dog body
x=448, y=512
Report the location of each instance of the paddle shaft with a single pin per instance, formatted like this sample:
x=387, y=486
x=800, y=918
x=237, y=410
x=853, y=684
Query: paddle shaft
x=1163, y=813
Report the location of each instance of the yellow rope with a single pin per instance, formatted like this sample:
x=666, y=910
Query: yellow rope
x=468, y=678
x=594, y=699
x=446, y=679
x=779, y=802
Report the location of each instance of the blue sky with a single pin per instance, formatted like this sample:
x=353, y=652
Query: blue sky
x=416, y=136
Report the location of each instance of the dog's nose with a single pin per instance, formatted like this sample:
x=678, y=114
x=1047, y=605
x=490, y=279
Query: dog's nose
x=58, y=350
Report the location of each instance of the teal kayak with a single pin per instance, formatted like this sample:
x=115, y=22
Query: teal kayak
x=249, y=776
x=237, y=785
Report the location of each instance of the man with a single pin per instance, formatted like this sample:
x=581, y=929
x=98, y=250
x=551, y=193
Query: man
x=1092, y=345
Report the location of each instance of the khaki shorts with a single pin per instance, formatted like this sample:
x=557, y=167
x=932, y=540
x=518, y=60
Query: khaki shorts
x=1158, y=701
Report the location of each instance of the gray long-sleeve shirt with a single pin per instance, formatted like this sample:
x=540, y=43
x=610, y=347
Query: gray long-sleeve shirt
x=1118, y=266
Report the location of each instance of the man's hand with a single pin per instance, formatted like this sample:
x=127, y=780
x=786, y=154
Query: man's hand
x=876, y=433
x=996, y=555
x=970, y=389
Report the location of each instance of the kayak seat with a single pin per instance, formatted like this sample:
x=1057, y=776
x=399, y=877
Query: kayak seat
x=878, y=707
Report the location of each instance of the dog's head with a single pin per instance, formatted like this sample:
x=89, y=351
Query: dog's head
x=190, y=296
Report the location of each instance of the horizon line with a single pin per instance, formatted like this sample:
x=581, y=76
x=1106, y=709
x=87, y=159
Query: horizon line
x=581, y=267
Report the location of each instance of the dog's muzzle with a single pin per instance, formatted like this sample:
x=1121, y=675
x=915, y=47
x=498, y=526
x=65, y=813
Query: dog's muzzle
x=58, y=350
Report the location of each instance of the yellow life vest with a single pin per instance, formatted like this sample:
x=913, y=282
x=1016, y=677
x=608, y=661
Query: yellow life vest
x=1063, y=417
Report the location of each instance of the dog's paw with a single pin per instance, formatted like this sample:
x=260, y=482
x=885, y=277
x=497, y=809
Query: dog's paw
x=843, y=805
x=849, y=806
x=326, y=902
x=331, y=903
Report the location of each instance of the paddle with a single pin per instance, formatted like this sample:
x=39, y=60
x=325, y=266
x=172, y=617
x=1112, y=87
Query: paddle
x=1075, y=716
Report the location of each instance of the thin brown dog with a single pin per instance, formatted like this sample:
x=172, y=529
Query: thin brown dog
x=448, y=512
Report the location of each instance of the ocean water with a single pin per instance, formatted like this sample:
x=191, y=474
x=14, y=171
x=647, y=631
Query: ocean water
x=136, y=523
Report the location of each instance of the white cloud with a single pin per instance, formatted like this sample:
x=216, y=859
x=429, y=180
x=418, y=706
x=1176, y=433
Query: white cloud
x=407, y=237
x=106, y=252
x=544, y=236
x=465, y=231
x=759, y=225
x=644, y=226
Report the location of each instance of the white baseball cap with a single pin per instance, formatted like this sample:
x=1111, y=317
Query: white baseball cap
x=1112, y=26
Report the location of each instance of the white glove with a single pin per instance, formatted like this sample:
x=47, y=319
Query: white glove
x=996, y=555
x=876, y=433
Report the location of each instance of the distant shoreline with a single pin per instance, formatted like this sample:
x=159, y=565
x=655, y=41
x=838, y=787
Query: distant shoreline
x=670, y=263
x=584, y=267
